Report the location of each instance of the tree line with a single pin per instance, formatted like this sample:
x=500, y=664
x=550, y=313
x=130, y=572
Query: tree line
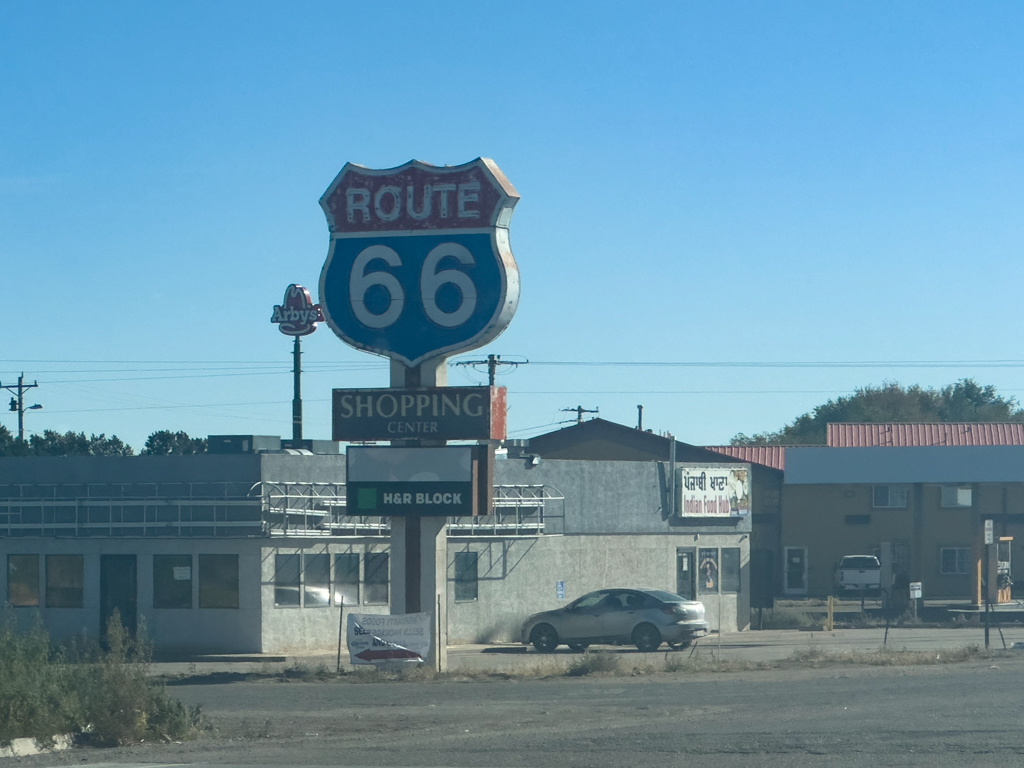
x=964, y=401
x=52, y=443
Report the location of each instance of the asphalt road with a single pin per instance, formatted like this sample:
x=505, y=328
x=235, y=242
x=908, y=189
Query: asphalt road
x=963, y=714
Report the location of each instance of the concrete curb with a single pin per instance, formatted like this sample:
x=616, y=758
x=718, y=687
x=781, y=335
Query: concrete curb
x=26, y=747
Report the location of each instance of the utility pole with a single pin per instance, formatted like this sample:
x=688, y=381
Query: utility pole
x=18, y=402
x=579, y=410
x=492, y=362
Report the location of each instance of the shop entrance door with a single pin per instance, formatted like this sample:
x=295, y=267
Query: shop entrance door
x=686, y=573
x=118, y=591
x=796, y=571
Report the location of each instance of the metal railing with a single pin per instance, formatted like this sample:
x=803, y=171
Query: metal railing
x=224, y=509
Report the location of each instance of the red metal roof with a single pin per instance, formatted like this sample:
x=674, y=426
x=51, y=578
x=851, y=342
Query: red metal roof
x=773, y=456
x=850, y=435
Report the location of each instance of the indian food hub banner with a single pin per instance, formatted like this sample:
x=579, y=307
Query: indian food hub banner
x=704, y=491
x=375, y=639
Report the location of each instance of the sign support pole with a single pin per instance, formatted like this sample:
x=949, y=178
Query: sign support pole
x=419, y=545
x=297, y=396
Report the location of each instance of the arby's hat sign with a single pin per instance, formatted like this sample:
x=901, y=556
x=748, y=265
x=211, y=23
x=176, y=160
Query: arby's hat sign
x=297, y=315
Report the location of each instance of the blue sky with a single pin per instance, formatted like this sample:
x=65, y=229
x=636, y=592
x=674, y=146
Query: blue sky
x=701, y=183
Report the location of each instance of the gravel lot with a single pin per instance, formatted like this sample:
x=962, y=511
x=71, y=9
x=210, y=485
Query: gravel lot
x=836, y=715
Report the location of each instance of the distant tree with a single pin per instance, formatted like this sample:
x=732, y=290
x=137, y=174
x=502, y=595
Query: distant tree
x=53, y=443
x=165, y=442
x=964, y=401
x=101, y=445
x=10, y=445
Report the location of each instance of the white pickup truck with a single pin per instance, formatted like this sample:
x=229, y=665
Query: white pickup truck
x=858, y=574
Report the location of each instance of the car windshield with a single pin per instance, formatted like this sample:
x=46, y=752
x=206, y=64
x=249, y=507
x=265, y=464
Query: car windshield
x=589, y=601
x=666, y=597
x=860, y=561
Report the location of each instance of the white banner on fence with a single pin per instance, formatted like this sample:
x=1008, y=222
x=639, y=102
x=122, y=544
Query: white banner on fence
x=375, y=639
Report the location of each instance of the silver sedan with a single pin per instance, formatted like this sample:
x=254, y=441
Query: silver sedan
x=643, y=617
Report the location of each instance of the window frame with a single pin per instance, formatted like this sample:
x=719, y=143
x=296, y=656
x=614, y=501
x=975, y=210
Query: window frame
x=724, y=582
x=705, y=556
x=73, y=590
x=467, y=590
x=308, y=584
x=372, y=567
x=205, y=561
x=159, y=577
x=287, y=585
x=889, y=494
x=28, y=570
x=964, y=553
x=337, y=593
x=944, y=503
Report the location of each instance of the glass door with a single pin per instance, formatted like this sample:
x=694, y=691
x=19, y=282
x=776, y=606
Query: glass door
x=796, y=570
x=686, y=573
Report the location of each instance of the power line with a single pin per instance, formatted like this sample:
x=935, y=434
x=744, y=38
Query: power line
x=785, y=364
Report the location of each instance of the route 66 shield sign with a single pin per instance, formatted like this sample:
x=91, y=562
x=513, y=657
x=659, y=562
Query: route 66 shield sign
x=420, y=264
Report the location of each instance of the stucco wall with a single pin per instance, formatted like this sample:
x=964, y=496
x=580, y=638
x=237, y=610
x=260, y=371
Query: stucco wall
x=517, y=577
x=295, y=628
x=193, y=629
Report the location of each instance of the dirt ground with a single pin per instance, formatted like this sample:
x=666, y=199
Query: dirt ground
x=842, y=715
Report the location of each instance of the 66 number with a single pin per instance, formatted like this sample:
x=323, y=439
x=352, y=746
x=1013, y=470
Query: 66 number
x=431, y=280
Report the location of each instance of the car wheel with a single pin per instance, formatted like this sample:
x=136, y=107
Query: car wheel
x=578, y=647
x=646, y=638
x=544, y=638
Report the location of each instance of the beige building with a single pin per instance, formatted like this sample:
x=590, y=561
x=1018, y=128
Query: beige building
x=930, y=503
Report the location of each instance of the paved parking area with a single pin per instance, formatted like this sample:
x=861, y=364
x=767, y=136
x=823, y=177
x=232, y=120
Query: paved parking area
x=752, y=645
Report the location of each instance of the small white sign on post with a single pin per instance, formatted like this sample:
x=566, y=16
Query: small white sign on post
x=378, y=639
x=989, y=534
x=915, y=590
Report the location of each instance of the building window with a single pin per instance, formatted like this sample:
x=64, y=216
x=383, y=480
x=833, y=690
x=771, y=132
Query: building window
x=346, y=579
x=376, y=577
x=890, y=496
x=858, y=519
x=172, y=581
x=955, y=560
x=218, y=581
x=65, y=578
x=287, y=569
x=316, y=580
x=23, y=580
x=465, y=576
x=707, y=571
x=956, y=496
x=730, y=569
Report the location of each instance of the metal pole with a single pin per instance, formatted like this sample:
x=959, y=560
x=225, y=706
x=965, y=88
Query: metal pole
x=21, y=408
x=297, y=397
x=341, y=625
x=985, y=586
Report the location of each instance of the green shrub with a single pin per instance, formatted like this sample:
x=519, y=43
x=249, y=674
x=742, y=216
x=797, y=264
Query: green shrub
x=104, y=695
x=37, y=699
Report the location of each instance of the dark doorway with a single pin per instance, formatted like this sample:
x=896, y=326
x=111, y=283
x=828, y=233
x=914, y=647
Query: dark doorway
x=118, y=591
x=762, y=578
x=686, y=573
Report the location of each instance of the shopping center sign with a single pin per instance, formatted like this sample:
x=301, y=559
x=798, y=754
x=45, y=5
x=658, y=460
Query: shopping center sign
x=420, y=264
